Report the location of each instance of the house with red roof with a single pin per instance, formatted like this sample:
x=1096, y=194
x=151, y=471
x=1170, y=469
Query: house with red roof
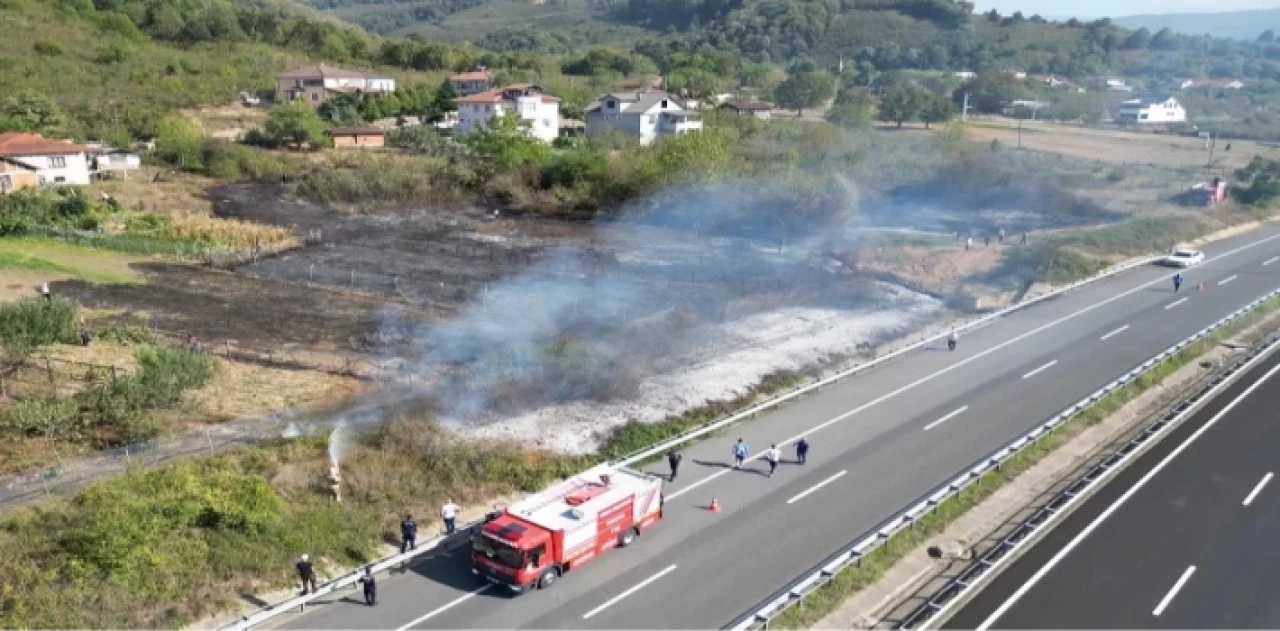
x=539, y=112
x=52, y=162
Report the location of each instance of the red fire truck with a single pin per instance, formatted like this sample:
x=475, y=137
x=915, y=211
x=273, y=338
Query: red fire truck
x=535, y=541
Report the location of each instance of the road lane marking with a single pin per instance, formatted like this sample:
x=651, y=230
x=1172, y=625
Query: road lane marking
x=1271, y=260
x=1114, y=333
x=1040, y=370
x=1228, y=279
x=817, y=486
x=1173, y=591
x=963, y=362
x=642, y=585
x=447, y=606
x=1120, y=501
x=1175, y=303
x=1257, y=489
x=945, y=418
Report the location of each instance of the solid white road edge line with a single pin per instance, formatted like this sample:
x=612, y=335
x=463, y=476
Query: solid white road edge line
x=963, y=362
x=1271, y=260
x=1173, y=591
x=1175, y=303
x=945, y=418
x=1257, y=489
x=1114, y=333
x=642, y=585
x=1228, y=279
x=1088, y=530
x=447, y=606
x=817, y=486
x=1040, y=369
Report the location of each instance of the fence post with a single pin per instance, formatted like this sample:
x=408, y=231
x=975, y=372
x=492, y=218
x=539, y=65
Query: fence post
x=113, y=374
x=48, y=365
x=127, y=458
x=353, y=278
x=311, y=272
x=208, y=438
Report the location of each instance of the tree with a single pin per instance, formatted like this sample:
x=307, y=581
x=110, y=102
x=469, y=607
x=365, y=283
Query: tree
x=853, y=109
x=505, y=144
x=32, y=112
x=936, y=109
x=990, y=91
x=806, y=89
x=297, y=124
x=1165, y=39
x=1267, y=36
x=901, y=104
x=443, y=99
x=1138, y=40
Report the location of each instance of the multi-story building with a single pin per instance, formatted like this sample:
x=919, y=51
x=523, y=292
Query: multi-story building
x=319, y=83
x=646, y=116
x=538, y=112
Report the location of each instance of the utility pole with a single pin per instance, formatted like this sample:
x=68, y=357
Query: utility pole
x=1019, y=134
x=964, y=111
x=1212, y=142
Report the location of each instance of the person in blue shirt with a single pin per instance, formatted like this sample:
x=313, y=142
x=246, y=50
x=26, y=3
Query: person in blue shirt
x=408, y=534
x=802, y=450
x=740, y=451
x=1177, y=282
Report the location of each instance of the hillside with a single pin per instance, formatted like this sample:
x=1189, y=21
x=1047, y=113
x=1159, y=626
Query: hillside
x=113, y=74
x=1235, y=24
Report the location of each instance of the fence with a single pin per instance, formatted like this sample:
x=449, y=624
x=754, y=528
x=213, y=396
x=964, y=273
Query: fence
x=53, y=376
x=956, y=592
x=272, y=610
x=149, y=244
x=822, y=573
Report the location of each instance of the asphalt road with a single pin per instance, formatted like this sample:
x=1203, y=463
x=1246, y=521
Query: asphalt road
x=1185, y=538
x=884, y=430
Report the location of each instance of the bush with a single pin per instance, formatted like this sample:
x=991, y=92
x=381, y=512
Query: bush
x=34, y=322
x=30, y=211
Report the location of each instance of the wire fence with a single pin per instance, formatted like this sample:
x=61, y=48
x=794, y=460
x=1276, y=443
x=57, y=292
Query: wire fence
x=153, y=244
x=51, y=376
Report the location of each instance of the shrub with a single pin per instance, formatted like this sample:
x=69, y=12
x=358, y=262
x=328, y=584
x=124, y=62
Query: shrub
x=34, y=322
x=28, y=211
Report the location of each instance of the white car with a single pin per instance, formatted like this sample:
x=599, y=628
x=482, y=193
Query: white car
x=1183, y=258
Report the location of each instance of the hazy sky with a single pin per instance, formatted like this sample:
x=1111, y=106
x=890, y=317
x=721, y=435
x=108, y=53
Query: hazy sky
x=1116, y=8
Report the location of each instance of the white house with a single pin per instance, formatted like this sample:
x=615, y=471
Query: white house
x=643, y=115
x=55, y=162
x=319, y=83
x=539, y=112
x=1117, y=85
x=1151, y=112
x=1221, y=84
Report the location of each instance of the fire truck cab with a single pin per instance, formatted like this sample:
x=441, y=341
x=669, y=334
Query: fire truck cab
x=535, y=541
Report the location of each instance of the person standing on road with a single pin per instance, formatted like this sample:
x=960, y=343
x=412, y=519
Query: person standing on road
x=449, y=513
x=968, y=243
x=673, y=459
x=370, y=585
x=802, y=451
x=1024, y=238
x=952, y=340
x=307, y=574
x=772, y=456
x=44, y=291
x=740, y=451
x=1001, y=235
x=408, y=534
x=1177, y=282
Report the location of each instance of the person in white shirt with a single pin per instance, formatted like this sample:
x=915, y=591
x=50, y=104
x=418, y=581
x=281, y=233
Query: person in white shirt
x=449, y=513
x=773, y=455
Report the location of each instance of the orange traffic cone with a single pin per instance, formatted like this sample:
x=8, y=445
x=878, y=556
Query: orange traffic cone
x=714, y=506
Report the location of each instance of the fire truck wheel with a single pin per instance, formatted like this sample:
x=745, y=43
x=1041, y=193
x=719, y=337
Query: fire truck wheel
x=625, y=539
x=548, y=579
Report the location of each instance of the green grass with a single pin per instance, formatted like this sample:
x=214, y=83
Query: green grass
x=849, y=582
x=75, y=261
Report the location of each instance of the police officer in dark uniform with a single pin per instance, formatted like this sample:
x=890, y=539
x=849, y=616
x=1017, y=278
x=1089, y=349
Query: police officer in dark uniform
x=408, y=534
x=370, y=585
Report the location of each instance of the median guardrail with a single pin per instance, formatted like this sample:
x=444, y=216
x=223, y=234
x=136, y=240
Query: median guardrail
x=299, y=603
x=822, y=573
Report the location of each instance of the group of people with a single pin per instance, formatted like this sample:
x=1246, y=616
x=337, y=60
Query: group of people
x=986, y=240
x=740, y=452
x=408, y=541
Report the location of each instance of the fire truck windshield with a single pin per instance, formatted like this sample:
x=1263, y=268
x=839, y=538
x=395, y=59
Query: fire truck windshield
x=498, y=551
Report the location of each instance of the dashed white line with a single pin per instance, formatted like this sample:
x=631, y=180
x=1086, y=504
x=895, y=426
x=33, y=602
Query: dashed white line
x=447, y=606
x=1271, y=260
x=1175, y=303
x=1115, y=506
x=1228, y=279
x=817, y=486
x=945, y=418
x=1114, y=333
x=1257, y=489
x=1168, y=598
x=930, y=377
x=1040, y=370
x=642, y=585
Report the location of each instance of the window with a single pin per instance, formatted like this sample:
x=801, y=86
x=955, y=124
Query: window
x=664, y=104
x=59, y=179
x=488, y=108
x=536, y=554
x=648, y=120
x=58, y=162
x=609, y=105
x=315, y=97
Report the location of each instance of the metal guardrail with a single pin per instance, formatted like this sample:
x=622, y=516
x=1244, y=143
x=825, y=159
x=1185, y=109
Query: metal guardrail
x=272, y=610
x=828, y=568
x=957, y=591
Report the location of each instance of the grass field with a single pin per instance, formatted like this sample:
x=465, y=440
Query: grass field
x=29, y=262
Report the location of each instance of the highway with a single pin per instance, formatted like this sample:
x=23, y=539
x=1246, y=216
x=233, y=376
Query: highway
x=880, y=441
x=1184, y=538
